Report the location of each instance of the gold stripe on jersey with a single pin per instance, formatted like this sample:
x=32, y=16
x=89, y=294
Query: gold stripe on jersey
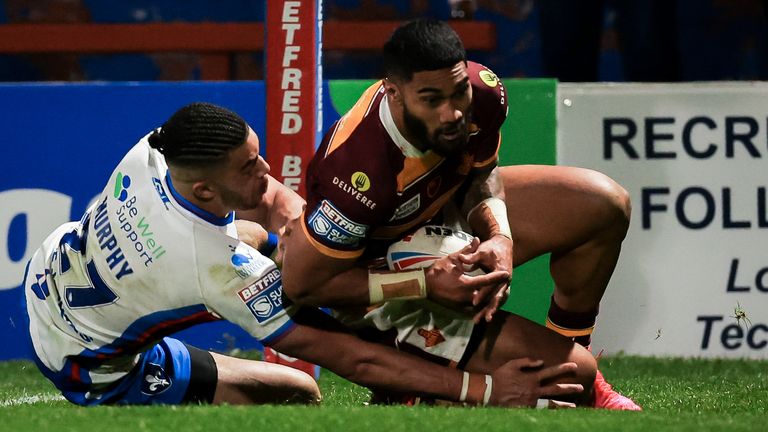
x=395, y=231
x=325, y=250
x=349, y=122
x=415, y=168
x=491, y=159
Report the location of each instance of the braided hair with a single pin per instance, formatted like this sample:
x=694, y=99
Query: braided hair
x=199, y=135
x=422, y=45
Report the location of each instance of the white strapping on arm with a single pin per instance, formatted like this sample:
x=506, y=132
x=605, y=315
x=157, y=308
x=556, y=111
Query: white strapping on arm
x=488, y=389
x=497, y=208
x=464, y=387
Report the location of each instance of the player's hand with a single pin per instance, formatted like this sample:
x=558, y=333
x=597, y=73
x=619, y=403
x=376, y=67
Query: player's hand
x=251, y=233
x=520, y=382
x=280, y=249
x=494, y=254
x=448, y=284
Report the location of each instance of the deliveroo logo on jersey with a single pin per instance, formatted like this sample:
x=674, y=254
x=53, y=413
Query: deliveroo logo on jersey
x=155, y=381
x=122, y=183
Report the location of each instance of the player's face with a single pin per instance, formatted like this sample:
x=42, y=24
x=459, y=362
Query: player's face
x=244, y=182
x=436, y=109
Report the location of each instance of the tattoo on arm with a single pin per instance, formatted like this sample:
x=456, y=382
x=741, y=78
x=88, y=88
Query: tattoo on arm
x=484, y=184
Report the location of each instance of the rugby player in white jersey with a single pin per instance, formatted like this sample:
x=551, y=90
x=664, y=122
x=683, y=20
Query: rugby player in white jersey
x=159, y=251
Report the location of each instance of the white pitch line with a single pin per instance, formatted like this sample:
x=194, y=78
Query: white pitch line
x=28, y=400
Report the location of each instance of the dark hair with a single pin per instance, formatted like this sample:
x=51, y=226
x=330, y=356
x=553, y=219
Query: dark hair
x=422, y=45
x=199, y=134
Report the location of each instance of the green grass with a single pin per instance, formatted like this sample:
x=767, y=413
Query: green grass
x=676, y=394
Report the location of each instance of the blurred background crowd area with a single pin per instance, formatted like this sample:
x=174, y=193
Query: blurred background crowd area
x=572, y=40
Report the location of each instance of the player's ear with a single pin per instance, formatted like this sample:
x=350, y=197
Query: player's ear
x=393, y=91
x=203, y=191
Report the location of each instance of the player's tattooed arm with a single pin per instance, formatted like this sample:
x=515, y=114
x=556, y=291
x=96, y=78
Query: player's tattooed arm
x=486, y=212
x=484, y=185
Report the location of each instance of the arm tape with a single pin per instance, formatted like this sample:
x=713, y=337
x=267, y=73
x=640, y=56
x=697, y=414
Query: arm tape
x=473, y=390
x=402, y=285
x=488, y=389
x=498, y=209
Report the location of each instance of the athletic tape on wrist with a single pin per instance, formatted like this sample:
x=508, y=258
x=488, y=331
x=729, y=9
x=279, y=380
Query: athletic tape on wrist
x=542, y=404
x=477, y=386
x=488, y=389
x=464, y=387
x=497, y=208
x=402, y=285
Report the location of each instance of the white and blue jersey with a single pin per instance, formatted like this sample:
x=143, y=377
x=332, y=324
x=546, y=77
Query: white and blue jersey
x=141, y=264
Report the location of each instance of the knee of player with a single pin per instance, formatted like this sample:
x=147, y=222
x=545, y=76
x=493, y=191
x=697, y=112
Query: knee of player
x=305, y=389
x=614, y=203
x=587, y=367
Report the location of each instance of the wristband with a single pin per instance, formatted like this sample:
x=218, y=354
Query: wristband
x=464, y=387
x=542, y=404
x=474, y=390
x=498, y=210
x=267, y=248
x=402, y=285
x=488, y=389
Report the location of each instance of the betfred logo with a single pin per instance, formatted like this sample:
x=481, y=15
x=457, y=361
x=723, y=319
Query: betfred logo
x=328, y=223
x=342, y=221
x=264, y=298
x=260, y=285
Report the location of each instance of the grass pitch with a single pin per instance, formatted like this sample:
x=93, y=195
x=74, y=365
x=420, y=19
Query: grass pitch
x=676, y=394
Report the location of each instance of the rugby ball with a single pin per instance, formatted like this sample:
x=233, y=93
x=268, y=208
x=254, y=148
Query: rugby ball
x=424, y=246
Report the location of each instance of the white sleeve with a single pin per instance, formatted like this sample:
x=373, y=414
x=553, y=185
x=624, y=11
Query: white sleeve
x=246, y=288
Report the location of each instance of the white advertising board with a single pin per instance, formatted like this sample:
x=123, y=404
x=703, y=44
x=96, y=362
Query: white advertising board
x=694, y=160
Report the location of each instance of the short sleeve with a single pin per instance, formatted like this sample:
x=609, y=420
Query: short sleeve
x=246, y=288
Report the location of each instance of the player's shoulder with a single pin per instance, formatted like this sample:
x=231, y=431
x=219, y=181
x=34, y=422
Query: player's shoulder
x=487, y=89
x=358, y=124
x=223, y=260
x=358, y=151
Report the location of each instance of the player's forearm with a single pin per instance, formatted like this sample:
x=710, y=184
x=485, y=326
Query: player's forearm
x=321, y=340
x=354, y=287
x=317, y=288
x=380, y=369
x=313, y=278
x=485, y=207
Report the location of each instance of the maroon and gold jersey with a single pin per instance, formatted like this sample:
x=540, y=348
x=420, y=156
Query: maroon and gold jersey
x=367, y=184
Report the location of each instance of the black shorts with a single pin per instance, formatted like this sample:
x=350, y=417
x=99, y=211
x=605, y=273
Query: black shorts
x=203, y=377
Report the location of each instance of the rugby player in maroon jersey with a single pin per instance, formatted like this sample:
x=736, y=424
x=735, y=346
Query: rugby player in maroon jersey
x=421, y=146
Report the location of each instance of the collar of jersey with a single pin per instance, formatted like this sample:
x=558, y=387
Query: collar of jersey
x=197, y=211
x=385, y=115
